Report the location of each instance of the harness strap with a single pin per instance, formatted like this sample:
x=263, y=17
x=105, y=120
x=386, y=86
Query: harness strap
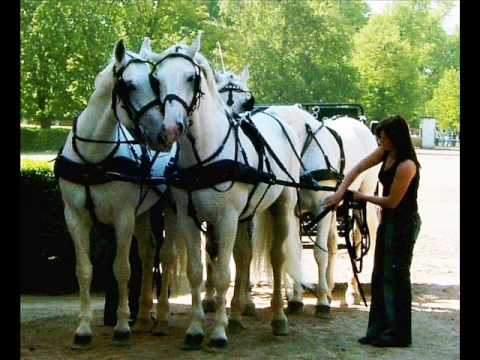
x=348, y=224
x=77, y=151
x=193, y=213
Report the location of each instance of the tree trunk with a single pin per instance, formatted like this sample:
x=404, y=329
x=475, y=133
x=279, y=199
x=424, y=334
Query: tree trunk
x=45, y=123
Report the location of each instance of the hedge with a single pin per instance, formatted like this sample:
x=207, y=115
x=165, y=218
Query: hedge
x=46, y=248
x=34, y=139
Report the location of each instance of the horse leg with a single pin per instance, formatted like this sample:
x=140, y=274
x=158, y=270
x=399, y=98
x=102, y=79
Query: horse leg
x=320, y=252
x=79, y=226
x=146, y=250
x=242, y=254
x=124, y=226
x=208, y=302
x=195, y=333
x=281, y=229
x=295, y=303
x=168, y=261
x=332, y=255
x=225, y=232
x=249, y=309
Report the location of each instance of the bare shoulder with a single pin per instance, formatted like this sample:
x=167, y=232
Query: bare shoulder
x=407, y=168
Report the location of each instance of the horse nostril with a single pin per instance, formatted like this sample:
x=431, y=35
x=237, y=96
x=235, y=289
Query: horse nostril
x=180, y=128
x=160, y=138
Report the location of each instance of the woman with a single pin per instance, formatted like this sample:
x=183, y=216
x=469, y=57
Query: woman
x=389, y=322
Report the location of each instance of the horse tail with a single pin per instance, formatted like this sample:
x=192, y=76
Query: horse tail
x=292, y=250
x=262, y=238
x=174, y=258
x=179, y=280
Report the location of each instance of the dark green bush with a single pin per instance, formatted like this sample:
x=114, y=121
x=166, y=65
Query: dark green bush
x=46, y=248
x=36, y=139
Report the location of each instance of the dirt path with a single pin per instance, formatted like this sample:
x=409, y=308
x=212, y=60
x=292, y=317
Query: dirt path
x=48, y=323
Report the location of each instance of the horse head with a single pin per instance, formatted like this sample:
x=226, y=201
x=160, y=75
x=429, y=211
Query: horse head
x=183, y=76
x=134, y=101
x=234, y=90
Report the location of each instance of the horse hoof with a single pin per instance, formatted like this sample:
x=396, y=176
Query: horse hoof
x=350, y=299
x=280, y=327
x=208, y=305
x=322, y=310
x=218, y=343
x=235, y=326
x=295, y=307
x=161, y=328
x=81, y=341
x=143, y=326
x=121, y=338
x=249, y=309
x=193, y=342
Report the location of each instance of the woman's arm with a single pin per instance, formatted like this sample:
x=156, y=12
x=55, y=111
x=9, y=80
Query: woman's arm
x=403, y=176
x=370, y=160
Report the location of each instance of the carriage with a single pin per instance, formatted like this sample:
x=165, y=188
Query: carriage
x=328, y=110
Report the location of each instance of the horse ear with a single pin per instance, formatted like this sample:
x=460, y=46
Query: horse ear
x=218, y=77
x=120, y=52
x=146, y=48
x=195, y=45
x=245, y=74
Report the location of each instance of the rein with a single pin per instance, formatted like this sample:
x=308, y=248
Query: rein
x=348, y=217
x=197, y=92
x=231, y=88
x=119, y=93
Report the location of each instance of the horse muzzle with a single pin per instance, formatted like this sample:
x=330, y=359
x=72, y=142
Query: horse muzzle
x=168, y=135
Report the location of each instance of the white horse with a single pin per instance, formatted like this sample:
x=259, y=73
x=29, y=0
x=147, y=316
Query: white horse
x=123, y=96
x=357, y=141
x=196, y=118
x=234, y=90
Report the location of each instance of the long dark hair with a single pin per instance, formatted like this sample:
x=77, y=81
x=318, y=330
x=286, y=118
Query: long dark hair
x=396, y=129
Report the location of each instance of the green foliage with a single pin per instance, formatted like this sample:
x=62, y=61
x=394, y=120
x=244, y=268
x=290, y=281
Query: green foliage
x=46, y=249
x=294, y=48
x=43, y=233
x=445, y=104
x=38, y=139
x=401, y=55
x=387, y=69
x=298, y=51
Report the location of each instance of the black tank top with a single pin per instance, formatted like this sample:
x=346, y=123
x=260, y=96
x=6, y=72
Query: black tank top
x=408, y=204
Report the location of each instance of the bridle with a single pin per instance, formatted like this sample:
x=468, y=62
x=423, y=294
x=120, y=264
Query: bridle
x=121, y=91
x=197, y=92
x=231, y=88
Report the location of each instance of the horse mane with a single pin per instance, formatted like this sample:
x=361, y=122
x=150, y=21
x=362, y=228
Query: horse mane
x=209, y=76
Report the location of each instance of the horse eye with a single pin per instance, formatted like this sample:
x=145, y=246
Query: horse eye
x=129, y=86
x=190, y=78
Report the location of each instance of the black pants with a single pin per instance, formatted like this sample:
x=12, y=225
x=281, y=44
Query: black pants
x=390, y=315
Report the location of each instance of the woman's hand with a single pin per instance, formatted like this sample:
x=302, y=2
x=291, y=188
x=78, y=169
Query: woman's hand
x=333, y=200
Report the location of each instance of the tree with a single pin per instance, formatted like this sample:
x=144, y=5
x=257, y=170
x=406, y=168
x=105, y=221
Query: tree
x=420, y=24
x=63, y=48
x=298, y=51
x=388, y=74
x=445, y=104
x=65, y=45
